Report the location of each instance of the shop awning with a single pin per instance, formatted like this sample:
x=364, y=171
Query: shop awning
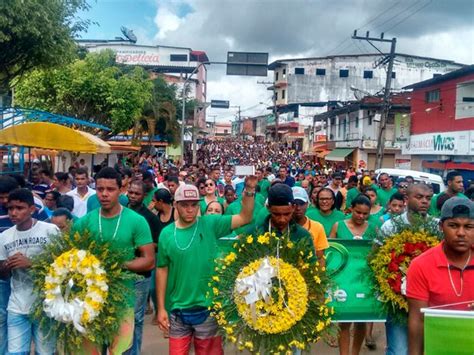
x=323, y=154
x=52, y=136
x=339, y=154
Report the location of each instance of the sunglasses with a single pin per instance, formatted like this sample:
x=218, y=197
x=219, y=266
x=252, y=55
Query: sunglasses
x=403, y=186
x=202, y=187
x=209, y=185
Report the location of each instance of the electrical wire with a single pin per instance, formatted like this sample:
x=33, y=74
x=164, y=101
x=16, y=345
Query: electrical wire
x=407, y=17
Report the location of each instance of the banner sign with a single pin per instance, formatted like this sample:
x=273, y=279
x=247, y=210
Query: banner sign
x=402, y=127
x=439, y=143
x=352, y=297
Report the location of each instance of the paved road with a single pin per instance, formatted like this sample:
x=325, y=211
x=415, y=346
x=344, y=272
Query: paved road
x=155, y=344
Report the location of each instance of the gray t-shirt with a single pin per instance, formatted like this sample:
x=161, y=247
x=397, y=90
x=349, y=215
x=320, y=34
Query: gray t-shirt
x=29, y=243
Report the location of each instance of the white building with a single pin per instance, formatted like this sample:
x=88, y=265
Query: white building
x=304, y=86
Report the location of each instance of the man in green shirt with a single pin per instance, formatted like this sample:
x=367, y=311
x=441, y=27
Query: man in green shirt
x=263, y=182
x=149, y=182
x=386, y=190
x=455, y=188
x=185, y=264
x=126, y=230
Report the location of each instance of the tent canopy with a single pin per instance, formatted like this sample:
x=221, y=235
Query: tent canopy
x=52, y=136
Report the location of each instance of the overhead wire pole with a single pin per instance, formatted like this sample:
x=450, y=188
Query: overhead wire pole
x=386, y=98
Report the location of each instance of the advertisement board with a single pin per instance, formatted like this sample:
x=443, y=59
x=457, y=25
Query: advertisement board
x=438, y=143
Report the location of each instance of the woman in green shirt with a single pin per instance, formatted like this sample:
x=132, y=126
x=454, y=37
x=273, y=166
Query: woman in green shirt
x=210, y=196
x=325, y=211
x=376, y=211
x=357, y=227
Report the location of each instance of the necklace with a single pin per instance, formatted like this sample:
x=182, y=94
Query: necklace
x=192, y=238
x=451, y=278
x=116, y=226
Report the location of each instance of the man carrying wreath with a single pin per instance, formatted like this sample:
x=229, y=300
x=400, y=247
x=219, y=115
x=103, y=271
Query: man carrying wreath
x=124, y=229
x=185, y=264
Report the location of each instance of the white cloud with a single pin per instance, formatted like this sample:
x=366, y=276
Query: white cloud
x=167, y=21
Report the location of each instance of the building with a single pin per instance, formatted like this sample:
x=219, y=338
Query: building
x=218, y=130
x=304, y=86
x=442, y=123
x=180, y=61
x=352, y=133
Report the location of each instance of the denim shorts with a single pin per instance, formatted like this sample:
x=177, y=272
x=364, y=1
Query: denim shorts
x=21, y=331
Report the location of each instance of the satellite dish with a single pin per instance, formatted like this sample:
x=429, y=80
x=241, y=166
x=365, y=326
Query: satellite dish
x=128, y=33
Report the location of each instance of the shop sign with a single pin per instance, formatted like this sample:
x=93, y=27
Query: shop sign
x=439, y=143
x=402, y=127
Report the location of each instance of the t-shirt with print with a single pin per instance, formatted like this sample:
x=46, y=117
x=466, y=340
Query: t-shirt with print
x=30, y=243
x=132, y=232
x=189, y=254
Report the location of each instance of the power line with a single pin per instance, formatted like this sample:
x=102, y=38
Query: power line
x=378, y=15
x=407, y=17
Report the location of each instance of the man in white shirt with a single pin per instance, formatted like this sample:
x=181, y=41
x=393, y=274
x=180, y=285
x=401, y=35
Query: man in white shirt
x=18, y=245
x=81, y=193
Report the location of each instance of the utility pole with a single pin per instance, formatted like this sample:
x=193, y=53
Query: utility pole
x=386, y=97
x=275, y=109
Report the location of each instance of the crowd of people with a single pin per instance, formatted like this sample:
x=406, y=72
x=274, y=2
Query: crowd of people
x=173, y=217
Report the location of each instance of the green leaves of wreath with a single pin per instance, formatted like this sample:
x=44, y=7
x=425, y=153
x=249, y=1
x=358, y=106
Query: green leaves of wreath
x=105, y=325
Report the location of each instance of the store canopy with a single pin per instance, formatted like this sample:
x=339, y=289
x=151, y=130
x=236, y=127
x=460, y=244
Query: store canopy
x=339, y=154
x=52, y=136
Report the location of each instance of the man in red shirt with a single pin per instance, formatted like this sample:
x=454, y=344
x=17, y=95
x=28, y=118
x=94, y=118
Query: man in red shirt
x=444, y=274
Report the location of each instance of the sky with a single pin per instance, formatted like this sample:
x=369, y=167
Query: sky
x=441, y=29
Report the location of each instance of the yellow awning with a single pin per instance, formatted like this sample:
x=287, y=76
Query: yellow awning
x=52, y=136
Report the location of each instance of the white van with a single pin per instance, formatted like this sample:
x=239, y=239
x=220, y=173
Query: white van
x=436, y=181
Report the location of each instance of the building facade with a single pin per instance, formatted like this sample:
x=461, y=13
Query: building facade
x=303, y=87
x=352, y=133
x=442, y=123
x=179, y=61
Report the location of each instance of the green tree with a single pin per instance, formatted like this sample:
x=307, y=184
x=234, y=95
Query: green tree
x=95, y=89
x=37, y=34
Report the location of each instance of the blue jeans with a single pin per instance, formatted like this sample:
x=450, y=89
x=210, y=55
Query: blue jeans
x=397, y=337
x=142, y=288
x=4, y=296
x=20, y=332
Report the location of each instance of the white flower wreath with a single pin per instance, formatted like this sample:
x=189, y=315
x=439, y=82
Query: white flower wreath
x=75, y=288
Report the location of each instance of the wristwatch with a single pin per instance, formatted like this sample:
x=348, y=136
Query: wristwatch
x=249, y=193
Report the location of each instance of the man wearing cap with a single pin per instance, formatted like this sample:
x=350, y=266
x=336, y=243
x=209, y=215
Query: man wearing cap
x=280, y=205
x=185, y=264
x=316, y=229
x=443, y=275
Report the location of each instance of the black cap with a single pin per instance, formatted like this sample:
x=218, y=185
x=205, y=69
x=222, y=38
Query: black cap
x=280, y=195
x=457, y=207
x=163, y=195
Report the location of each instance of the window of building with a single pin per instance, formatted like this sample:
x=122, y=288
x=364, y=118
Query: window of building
x=276, y=95
x=283, y=94
x=370, y=117
x=276, y=75
x=299, y=71
x=368, y=74
x=343, y=73
x=339, y=128
x=465, y=100
x=178, y=57
x=320, y=71
x=432, y=96
x=284, y=72
x=226, y=131
x=344, y=127
x=357, y=122
x=394, y=75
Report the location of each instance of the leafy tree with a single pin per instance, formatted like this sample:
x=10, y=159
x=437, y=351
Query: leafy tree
x=37, y=33
x=93, y=89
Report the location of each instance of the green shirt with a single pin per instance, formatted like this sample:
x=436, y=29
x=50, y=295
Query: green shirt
x=93, y=202
x=351, y=195
x=434, y=211
x=149, y=197
x=203, y=205
x=235, y=208
x=383, y=196
x=326, y=221
x=132, y=233
x=343, y=231
x=189, y=254
x=264, y=186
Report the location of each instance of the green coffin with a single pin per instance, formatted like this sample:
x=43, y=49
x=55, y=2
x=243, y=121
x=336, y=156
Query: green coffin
x=448, y=332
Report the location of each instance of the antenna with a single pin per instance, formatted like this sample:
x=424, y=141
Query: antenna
x=128, y=33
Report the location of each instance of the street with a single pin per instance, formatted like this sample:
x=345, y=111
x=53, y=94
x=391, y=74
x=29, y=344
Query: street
x=155, y=344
